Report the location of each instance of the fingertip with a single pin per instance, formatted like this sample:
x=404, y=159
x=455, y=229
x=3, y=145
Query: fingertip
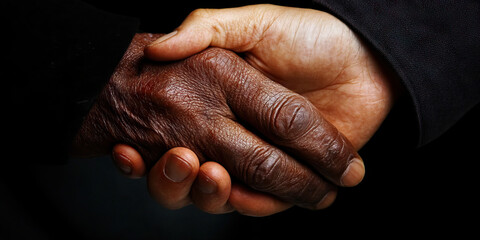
x=170, y=179
x=162, y=49
x=327, y=200
x=128, y=161
x=214, y=174
x=179, y=164
x=184, y=154
x=212, y=189
x=179, y=44
x=163, y=38
x=354, y=173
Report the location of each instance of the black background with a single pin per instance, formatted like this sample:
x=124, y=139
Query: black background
x=407, y=191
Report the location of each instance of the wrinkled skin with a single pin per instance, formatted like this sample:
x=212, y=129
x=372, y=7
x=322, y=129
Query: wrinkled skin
x=214, y=103
x=308, y=51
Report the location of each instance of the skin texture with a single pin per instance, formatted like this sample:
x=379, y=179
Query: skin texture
x=305, y=50
x=308, y=51
x=226, y=111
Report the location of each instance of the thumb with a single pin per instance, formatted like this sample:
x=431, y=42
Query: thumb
x=237, y=29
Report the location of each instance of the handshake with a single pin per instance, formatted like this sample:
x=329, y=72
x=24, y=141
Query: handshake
x=253, y=109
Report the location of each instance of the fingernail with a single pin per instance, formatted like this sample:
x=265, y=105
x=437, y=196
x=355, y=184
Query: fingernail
x=123, y=163
x=163, y=38
x=327, y=200
x=176, y=169
x=206, y=185
x=354, y=173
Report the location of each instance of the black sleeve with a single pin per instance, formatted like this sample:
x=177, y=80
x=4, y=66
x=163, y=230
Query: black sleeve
x=60, y=54
x=433, y=46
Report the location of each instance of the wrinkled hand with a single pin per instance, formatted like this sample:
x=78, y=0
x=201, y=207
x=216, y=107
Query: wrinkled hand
x=308, y=51
x=211, y=103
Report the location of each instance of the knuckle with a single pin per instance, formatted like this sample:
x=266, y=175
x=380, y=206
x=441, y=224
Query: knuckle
x=291, y=118
x=263, y=169
x=335, y=151
x=171, y=93
x=215, y=58
x=209, y=19
x=200, y=13
x=213, y=63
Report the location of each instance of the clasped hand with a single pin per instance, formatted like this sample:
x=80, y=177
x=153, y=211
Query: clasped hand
x=284, y=122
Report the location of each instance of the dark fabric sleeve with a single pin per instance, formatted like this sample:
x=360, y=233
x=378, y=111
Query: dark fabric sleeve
x=60, y=54
x=433, y=46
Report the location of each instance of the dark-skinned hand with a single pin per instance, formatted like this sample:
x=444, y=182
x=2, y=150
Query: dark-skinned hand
x=307, y=51
x=214, y=103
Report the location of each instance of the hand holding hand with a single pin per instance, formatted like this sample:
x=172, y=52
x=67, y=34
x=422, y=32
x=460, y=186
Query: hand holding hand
x=204, y=103
x=305, y=50
x=308, y=51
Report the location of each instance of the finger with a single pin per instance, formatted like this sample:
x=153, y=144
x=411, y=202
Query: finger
x=287, y=119
x=253, y=203
x=264, y=167
x=170, y=179
x=293, y=123
x=237, y=29
x=128, y=161
x=213, y=192
x=211, y=189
